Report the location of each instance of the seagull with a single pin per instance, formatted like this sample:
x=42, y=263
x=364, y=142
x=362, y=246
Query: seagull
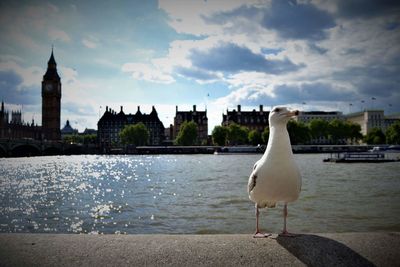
x=275, y=177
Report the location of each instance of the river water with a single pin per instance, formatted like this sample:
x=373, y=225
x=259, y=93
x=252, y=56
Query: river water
x=189, y=194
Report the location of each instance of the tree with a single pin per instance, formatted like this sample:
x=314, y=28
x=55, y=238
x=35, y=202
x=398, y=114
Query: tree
x=89, y=139
x=187, y=135
x=237, y=135
x=135, y=134
x=353, y=131
x=254, y=137
x=375, y=137
x=319, y=128
x=73, y=139
x=219, y=135
x=393, y=133
x=265, y=135
x=337, y=131
x=299, y=133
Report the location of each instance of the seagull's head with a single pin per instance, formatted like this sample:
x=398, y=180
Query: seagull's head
x=281, y=115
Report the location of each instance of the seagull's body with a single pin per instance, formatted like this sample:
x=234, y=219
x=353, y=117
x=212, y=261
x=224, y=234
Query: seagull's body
x=275, y=177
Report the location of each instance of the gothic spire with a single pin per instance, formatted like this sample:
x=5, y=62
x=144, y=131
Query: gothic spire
x=51, y=73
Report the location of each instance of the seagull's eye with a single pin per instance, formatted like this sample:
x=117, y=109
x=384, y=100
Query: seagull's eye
x=277, y=109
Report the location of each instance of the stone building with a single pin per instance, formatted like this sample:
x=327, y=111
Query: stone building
x=51, y=102
x=16, y=128
x=369, y=119
x=68, y=130
x=199, y=117
x=111, y=123
x=253, y=120
x=307, y=116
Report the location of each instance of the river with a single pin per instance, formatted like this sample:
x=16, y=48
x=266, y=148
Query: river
x=189, y=194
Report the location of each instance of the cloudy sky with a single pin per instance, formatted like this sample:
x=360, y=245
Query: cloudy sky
x=313, y=55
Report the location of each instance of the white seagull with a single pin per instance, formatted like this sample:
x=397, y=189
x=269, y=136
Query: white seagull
x=275, y=177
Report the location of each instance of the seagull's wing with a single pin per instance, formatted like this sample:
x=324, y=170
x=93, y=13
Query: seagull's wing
x=252, y=179
x=252, y=182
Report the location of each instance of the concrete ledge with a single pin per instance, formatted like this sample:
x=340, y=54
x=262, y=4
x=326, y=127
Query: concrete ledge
x=344, y=249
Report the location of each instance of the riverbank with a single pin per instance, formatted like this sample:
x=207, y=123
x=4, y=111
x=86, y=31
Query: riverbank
x=340, y=249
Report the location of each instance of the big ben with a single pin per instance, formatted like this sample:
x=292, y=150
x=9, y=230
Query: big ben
x=51, y=101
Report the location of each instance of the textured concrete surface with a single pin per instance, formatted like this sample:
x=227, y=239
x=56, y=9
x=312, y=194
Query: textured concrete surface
x=344, y=249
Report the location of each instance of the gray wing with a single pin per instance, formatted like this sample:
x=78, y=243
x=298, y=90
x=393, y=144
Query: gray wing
x=252, y=182
x=252, y=179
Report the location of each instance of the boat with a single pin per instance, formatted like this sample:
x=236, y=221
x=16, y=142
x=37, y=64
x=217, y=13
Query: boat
x=360, y=157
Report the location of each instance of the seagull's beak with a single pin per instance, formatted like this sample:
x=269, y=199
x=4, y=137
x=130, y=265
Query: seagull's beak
x=292, y=113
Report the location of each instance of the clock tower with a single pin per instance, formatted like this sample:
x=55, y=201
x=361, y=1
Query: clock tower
x=51, y=101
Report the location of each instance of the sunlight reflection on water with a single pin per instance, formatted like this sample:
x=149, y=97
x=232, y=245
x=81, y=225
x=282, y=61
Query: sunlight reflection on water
x=188, y=194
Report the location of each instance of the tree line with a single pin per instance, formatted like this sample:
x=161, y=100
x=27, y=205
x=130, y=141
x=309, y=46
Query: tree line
x=333, y=132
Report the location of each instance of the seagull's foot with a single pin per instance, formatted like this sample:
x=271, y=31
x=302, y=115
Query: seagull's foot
x=287, y=234
x=261, y=235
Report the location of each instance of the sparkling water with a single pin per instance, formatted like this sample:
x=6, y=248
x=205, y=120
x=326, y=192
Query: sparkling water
x=189, y=194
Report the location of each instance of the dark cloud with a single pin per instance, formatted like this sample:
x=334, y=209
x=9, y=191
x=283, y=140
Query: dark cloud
x=311, y=92
x=315, y=48
x=11, y=91
x=297, y=21
x=367, y=8
x=195, y=73
x=373, y=80
x=353, y=51
x=225, y=17
x=392, y=25
x=228, y=57
x=271, y=51
x=290, y=19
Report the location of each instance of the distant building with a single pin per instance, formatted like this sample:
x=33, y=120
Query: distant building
x=67, y=130
x=369, y=119
x=89, y=131
x=253, y=120
x=199, y=117
x=168, y=134
x=51, y=102
x=308, y=116
x=111, y=124
x=16, y=128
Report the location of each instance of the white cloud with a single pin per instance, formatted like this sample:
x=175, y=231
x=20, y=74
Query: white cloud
x=89, y=43
x=148, y=72
x=57, y=34
x=31, y=76
x=187, y=15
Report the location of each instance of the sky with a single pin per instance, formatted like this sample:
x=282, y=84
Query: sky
x=327, y=55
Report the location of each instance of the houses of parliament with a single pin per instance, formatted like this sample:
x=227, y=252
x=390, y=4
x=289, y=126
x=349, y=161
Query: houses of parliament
x=15, y=128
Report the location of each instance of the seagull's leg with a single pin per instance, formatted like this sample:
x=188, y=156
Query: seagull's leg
x=258, y=234
x=284, y=231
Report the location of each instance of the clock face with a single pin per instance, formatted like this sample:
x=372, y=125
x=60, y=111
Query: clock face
x=48, y=87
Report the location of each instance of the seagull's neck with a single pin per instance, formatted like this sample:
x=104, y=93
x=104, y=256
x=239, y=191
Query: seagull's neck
x=278, y=142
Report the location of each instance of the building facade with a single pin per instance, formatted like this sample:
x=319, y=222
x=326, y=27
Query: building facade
x=51, y=101
x=16, y=128
x=199, y=117
x=308, y=116
x=253, y=120
x=369, y=119
x=68, y=130
x=112, y=123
